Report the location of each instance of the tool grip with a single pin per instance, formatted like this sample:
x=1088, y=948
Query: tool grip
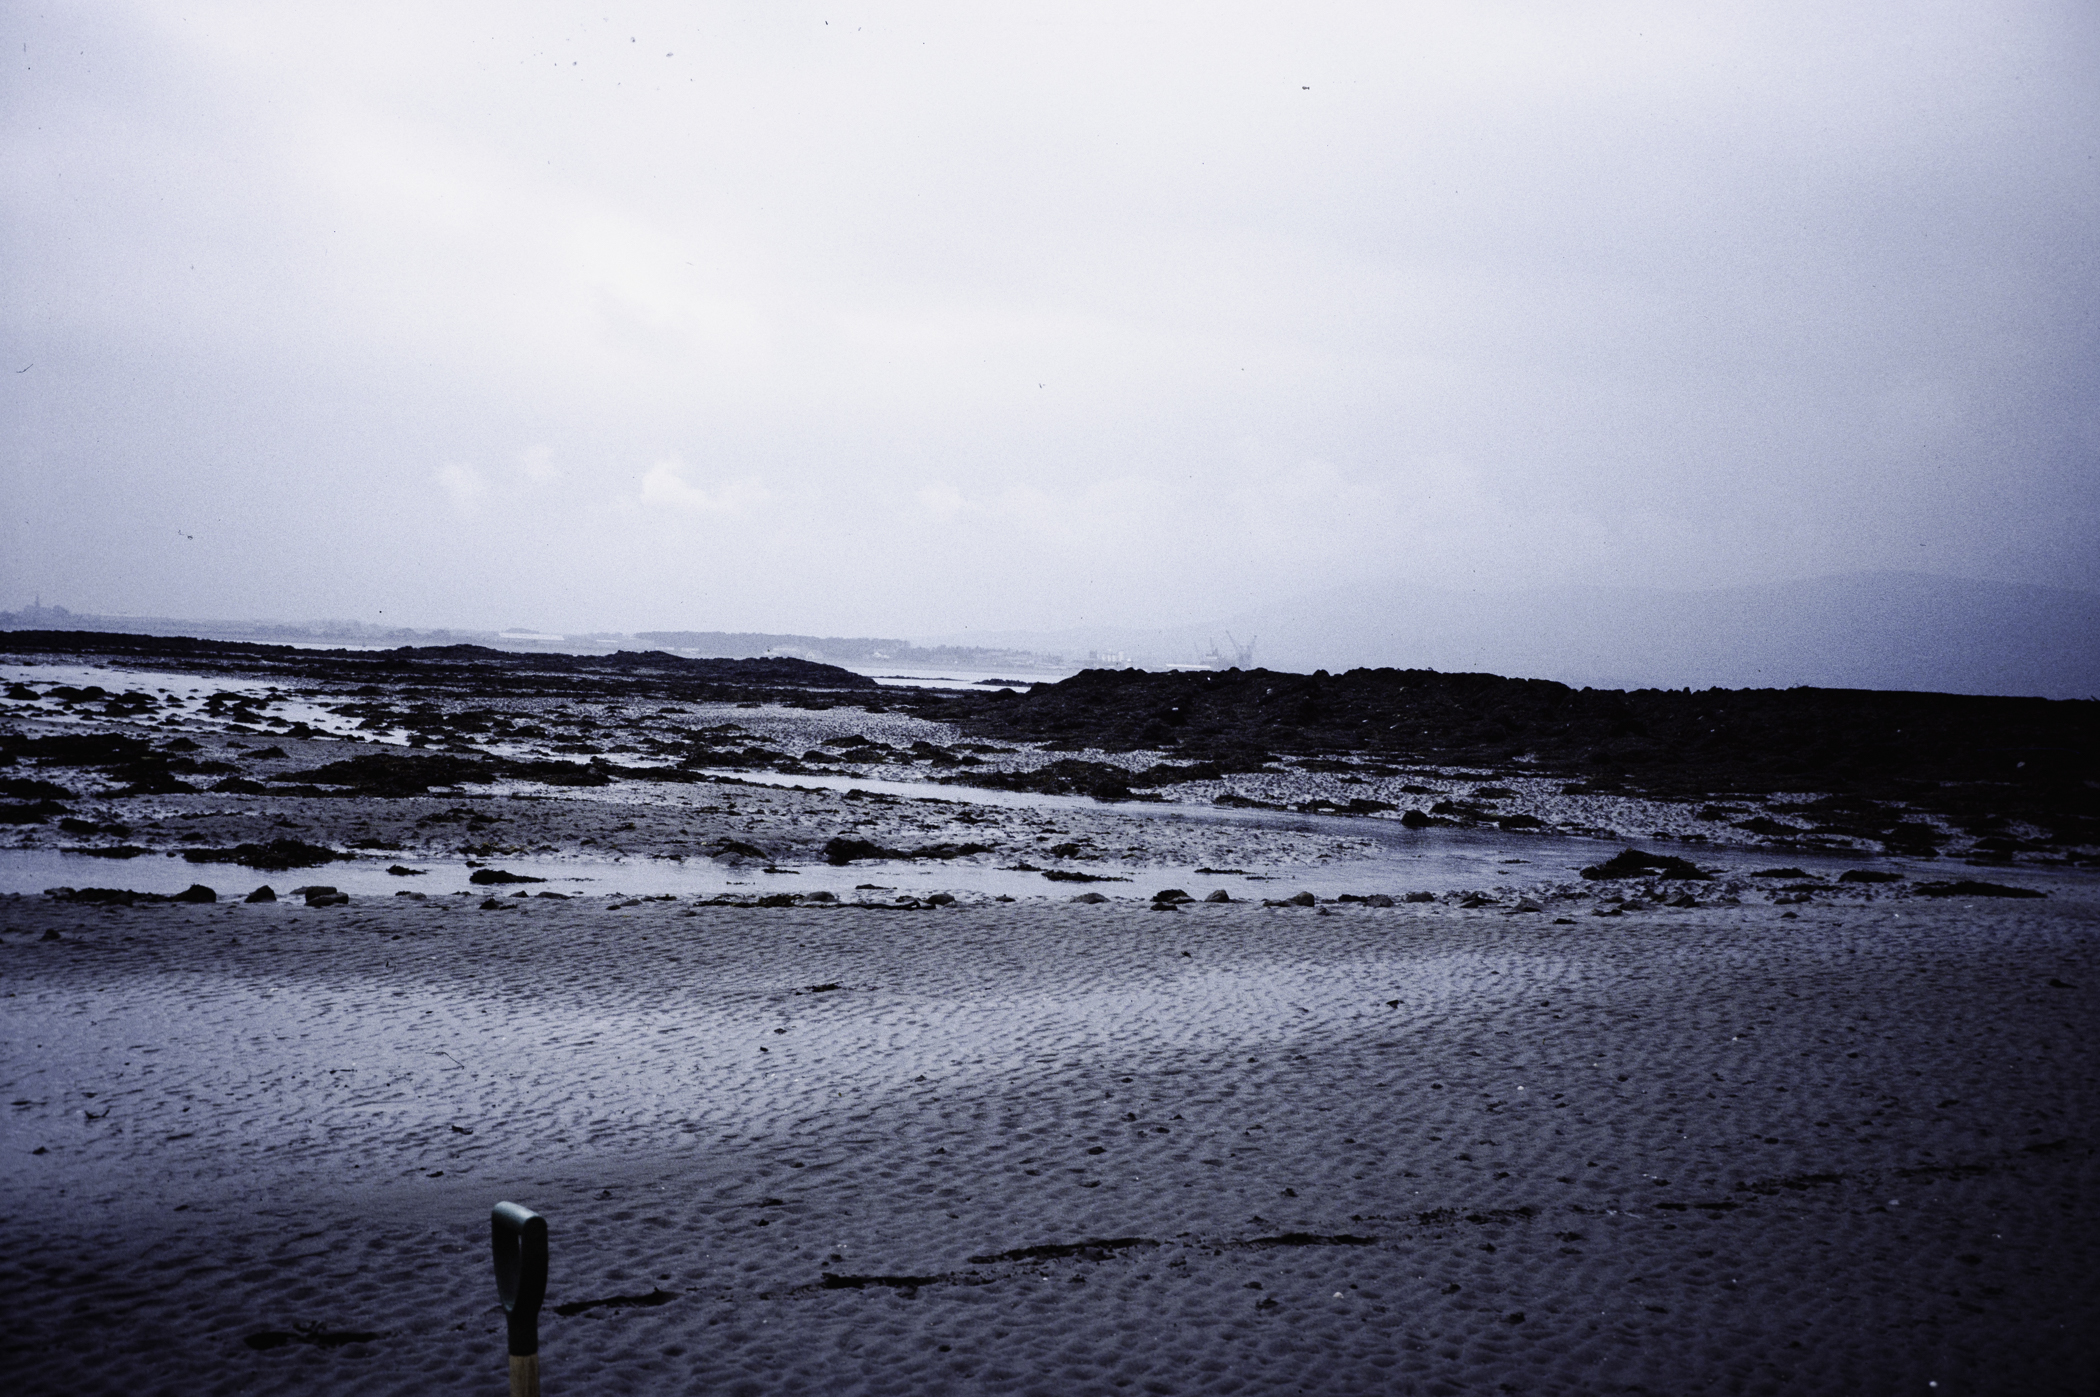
x=519, y=1238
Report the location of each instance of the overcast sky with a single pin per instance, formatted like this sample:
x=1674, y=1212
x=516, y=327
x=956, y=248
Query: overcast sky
x=905, y=318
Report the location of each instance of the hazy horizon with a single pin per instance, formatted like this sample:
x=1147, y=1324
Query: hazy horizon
x=1885, y=630
x=932, y=320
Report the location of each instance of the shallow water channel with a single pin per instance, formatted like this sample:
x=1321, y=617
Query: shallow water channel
x=1401, y=861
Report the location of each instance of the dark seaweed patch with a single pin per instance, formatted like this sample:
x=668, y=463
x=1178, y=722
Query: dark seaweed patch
x=1969, y=887
x=262, y=1341
x=1094, y=1250
x=656, y=1296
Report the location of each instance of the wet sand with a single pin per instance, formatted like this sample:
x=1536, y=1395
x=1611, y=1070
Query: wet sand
x=1338, y=1149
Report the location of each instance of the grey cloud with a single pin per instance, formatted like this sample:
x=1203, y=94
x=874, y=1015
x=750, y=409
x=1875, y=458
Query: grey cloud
x=947, y=317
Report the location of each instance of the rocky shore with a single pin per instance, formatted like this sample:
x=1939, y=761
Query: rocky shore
x=876, y=1040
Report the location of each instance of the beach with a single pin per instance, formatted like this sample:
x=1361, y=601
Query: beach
x=829, y=1077
x=1055, y=1147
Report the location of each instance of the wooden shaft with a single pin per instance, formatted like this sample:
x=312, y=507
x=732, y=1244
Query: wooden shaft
x=525, y=1375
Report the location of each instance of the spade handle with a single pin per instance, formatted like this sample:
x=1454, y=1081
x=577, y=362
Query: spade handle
x=518, y=1237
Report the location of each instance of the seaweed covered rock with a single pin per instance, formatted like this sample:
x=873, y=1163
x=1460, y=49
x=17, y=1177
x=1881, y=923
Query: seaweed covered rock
x=277, y=854
x=1066, y=777
x=1632, y=863
x=1969, y=887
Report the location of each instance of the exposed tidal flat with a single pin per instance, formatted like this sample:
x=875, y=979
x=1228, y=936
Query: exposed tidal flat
x=1797, y=1112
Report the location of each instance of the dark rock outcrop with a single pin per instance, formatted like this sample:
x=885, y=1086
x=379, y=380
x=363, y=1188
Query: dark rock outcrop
x=276, y=854
x=1632, y=863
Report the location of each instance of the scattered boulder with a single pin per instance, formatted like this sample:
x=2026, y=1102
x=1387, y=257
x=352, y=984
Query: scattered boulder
x=1089, y=897
x=28, y=788
x=1869, y=875
x=101, y=897
x=389, y=776
x=841, y=850
x=125, y=897
x=1912, y=837
x=152, y=779
x=1632, y=863
x=265, y=893
x=1327, y=806
x=1167, y=773
x=1219, y=895
x=1968, y=887
x=277, y=854
x=1066, y=777
x=485, y=876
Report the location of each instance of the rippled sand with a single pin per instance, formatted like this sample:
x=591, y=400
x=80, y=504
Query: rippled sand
x=1418, y=1149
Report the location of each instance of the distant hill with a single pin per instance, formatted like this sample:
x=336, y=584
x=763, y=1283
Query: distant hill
x=1861, y=631
x=348, y=633
x=860, y=650
x=1890, y=630
x=725, y=645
